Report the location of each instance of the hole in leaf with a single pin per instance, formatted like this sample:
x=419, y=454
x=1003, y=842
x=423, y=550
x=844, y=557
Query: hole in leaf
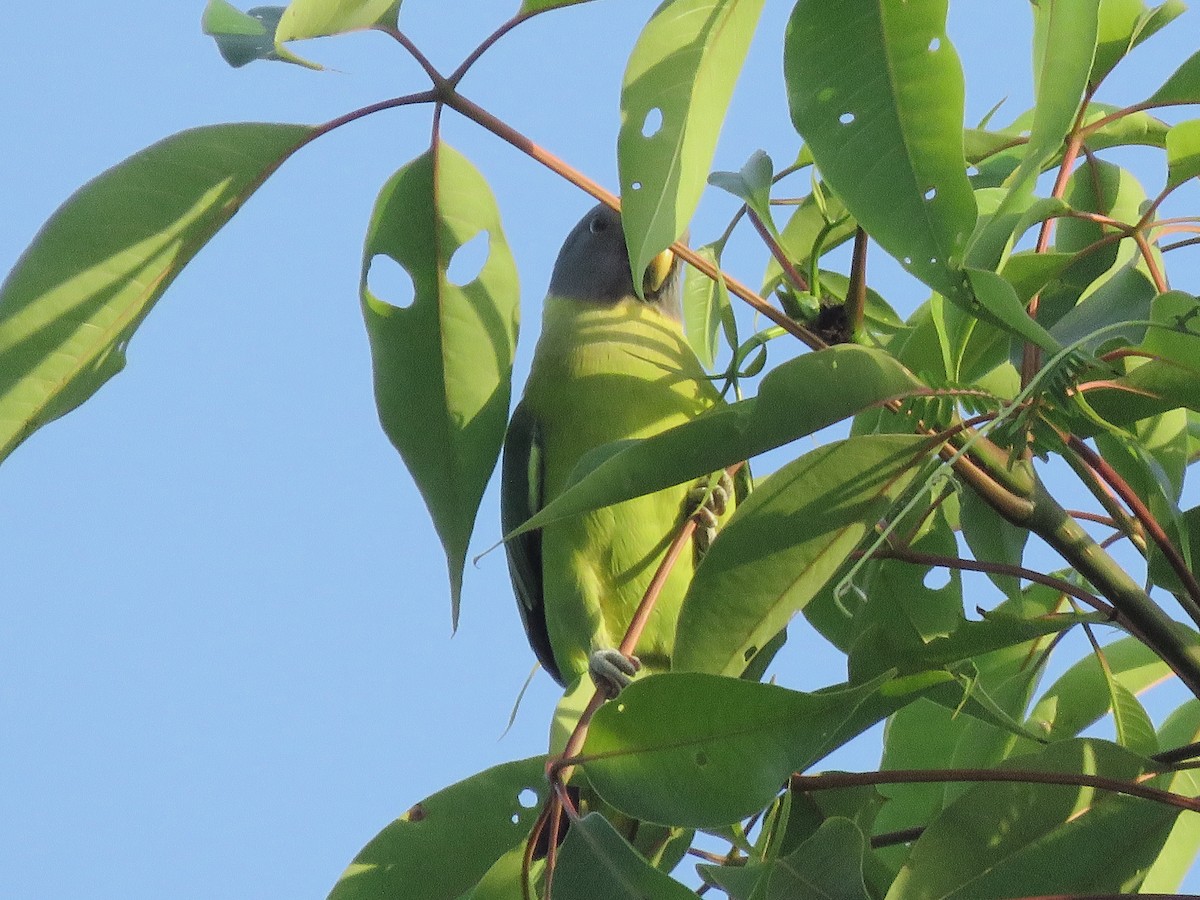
x=637, y=186
x=846, y=118
x=907, y=260
x=972, y=171
x=528, y=798
x=701, y=758
x=652, y=123
x=620, y=707
x=931, y=193
x=468, y=260
x=936, y=578
x=390, y=281
x=935, y=45
x=516, y=820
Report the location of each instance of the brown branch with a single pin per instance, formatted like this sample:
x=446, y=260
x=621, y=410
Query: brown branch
x=834, y=780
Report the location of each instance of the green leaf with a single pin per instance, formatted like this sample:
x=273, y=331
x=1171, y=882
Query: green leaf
x=1182, y=87
x=704, y=751
x=797, y=398
x=1011, y=839
x=596, y=863
x=1064, y=43
x=1183, y=152
x=1123, y=24
x=676, y=89
x=243, y=37
x=706, y=308
x=318, y=18
x=473, y=822
x=1134, y=730
x=1080, y=697
x=752, y=185
x=443, y=363
x=533, y=7
x=812, y=228
x=993, y=538
x=995, y=301
x=827, y=866
x=1179, y=852
x=75, y=297
x=784, y=543
x=876, y=91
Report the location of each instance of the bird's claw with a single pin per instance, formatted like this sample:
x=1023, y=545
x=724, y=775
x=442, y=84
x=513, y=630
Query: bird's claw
x=710, y=504
x=612, y=670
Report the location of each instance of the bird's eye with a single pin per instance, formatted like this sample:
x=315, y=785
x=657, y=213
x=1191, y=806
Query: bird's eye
x=598, y=225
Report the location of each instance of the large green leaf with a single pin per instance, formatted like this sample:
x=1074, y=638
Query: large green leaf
x=443, y=363
x=797, y=398
x=876, y=91
x=677, y=87
x=1123, y=24
x=473, y=823
x=784, y=543
x=1011, y=839
x=1064, y=44
x=317, y=18
x=75, y=297
x=705, y=751
x=598, y=864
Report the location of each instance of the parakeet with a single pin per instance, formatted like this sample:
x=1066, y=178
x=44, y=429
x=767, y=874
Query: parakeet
x=607, y=366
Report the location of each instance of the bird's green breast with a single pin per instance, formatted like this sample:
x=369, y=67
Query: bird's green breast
x=603, y=373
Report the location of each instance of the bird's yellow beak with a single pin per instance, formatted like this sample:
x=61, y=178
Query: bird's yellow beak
x=658, y=272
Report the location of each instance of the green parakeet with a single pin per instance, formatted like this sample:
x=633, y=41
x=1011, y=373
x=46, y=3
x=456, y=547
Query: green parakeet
x=607, y=367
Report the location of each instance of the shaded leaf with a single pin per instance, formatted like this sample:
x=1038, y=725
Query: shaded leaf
x=1179, y=852
x=828, y=866
x=473, y=822
x=596, y=863
x=243, y=37
x=876, y=91
x=796, y=398
x=706, y=308
x=705, y=751
x=533, y=7
x=443, y=363
x=1011, y=839
x=784, y=543
x=75, y=297
x=676, y=89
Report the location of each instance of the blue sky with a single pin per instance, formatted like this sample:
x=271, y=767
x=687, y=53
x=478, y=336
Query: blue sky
x=226, y=657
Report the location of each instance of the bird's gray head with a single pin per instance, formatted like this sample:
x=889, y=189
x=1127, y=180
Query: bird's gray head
x=593, y=266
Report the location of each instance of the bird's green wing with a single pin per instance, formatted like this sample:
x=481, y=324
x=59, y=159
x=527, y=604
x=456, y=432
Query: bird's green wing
x=521, y=495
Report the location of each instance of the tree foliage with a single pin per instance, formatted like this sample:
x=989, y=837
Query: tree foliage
x=1051, y=333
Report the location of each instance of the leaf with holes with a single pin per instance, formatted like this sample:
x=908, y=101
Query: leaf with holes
x=443, y=364
x=473, y=822
x=75, y=297
x=876, y=91
x=784, y=543
x=704, y=751
x=676, y=90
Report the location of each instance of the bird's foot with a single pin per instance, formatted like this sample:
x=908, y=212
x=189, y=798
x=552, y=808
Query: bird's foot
x=710, y=504
x=612, y=670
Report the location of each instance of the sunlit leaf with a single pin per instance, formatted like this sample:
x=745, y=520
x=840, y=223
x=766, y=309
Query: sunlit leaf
x=317, y=18
x=442, y=357
x=1182, y=87
x=1183, y=152
x=876, y=91
x=784, y=543
x=1178, y=854
x=677, y=87
x=75, y=297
